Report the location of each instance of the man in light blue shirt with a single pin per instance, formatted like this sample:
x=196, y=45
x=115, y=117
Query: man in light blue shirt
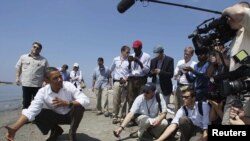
x=192, y=123
x=64, y=72
x=101, y=77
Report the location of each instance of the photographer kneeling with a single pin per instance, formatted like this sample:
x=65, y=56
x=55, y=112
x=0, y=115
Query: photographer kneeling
x=238, y=19
x=149, y=111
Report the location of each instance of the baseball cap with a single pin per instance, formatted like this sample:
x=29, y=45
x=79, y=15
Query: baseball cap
x=158, y=49
x=149, y=86
x=76, y=65
x=137, y=44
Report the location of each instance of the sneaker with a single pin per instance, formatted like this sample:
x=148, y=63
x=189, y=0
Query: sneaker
x=170, y=111
x=57, y=131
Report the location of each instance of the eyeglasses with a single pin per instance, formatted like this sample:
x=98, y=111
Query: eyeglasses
x=185, y=97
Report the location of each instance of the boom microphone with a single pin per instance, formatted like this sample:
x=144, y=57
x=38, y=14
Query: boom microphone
x=124, y=5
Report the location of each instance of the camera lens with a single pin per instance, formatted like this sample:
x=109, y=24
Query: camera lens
x=237, y=85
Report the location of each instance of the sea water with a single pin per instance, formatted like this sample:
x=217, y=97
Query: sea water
x=10, y=97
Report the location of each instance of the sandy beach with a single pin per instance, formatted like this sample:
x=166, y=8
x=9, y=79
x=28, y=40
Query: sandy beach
x=91, y=128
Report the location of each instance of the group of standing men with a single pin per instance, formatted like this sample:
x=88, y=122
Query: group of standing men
x=129, y=73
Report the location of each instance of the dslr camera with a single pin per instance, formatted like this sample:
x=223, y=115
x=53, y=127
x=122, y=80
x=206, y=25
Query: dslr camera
x=130, y=58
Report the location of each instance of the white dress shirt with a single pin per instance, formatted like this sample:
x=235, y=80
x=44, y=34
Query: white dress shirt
x=201, y=121
x=78, y=75
x=179, y=67
x=45, y=95
x=136, y=70
x=119, y=68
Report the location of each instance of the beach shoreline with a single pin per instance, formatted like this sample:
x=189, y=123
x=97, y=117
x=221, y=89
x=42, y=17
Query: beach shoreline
x=91, y=128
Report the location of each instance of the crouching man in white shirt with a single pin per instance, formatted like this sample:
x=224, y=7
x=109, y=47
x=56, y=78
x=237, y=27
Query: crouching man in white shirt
x=59, y=102
x=149, y=110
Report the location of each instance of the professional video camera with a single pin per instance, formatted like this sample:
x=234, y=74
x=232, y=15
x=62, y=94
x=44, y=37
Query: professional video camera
x=234, y=82
x=217, y=31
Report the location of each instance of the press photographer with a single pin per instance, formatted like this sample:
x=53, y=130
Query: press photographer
x=239, y=19
x=233, y=29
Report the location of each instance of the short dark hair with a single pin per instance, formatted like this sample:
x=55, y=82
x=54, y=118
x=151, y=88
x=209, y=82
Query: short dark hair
x=100, y=59
x=39, y=44
x=48, y=70
x=125, y=47
x=188, y=89
x=65, y=66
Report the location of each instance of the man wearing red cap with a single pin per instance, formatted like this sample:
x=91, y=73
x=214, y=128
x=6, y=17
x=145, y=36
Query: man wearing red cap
x=139, y=64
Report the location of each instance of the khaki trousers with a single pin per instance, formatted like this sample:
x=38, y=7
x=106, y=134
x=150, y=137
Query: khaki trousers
x=99, y=93
x=119, y=100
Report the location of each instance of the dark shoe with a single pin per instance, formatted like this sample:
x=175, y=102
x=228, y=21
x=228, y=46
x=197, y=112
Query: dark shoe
x=98, y=113
x=106, y=114
x=115, y=121
x=57, y=131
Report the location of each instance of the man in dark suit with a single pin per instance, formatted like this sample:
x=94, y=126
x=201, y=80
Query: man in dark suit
x=162, y=71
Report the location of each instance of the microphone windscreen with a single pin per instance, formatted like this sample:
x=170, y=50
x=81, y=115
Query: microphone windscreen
x=124, y=5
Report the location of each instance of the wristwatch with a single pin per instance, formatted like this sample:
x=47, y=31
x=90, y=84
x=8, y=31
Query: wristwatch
x=70, y=104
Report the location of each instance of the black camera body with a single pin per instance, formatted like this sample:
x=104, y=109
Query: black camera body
x=235, y=81
x=212, y=34
x=130, y=58
x=230, y=83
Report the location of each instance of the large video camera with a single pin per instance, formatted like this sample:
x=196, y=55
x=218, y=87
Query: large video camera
x=208, y=35
x=212, y=32
x=234, y=82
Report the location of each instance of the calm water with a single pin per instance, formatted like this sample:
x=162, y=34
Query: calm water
x=10, y=97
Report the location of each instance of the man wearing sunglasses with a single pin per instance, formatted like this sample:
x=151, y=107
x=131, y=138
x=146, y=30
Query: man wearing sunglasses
x=192, y=124
x=30, y=70
x=145, y=109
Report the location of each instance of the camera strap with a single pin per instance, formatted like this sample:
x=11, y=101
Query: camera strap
x=158, y=99
x=225, y=67
x=199, y=109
